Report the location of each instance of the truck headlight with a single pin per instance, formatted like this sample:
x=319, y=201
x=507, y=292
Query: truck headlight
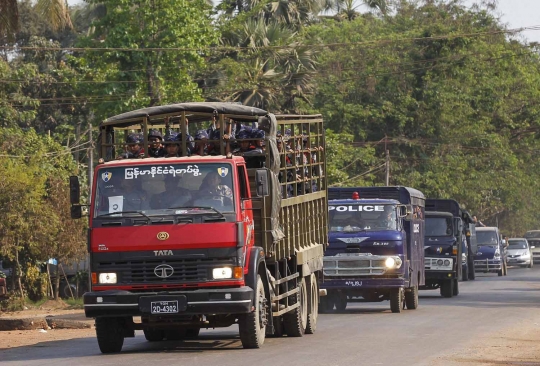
x=390, y=262
x=222, y=273
x=107, y=278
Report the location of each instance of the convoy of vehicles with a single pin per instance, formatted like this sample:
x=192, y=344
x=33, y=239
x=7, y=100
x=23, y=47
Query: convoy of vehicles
x=206, y=241
x=375, y=251
x=491, y=255
x=203, y=240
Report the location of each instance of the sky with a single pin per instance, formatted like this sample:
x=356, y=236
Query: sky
x=514, y=13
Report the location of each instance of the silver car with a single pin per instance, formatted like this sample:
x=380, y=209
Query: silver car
x=519, y=253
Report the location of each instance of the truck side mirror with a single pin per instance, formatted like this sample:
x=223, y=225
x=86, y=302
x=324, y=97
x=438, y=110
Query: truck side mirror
x=74, y=190
x=76, y=211
x=406, y=212
x=261, y=179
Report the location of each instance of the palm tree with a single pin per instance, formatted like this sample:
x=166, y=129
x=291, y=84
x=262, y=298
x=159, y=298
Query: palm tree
x=55, y=11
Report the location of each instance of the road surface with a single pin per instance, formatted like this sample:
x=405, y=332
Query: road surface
x=365, y=334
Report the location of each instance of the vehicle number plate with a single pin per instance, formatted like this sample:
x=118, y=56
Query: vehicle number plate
x=164, y=307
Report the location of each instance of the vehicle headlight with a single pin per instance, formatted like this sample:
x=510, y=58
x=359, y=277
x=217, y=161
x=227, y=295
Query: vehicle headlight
x=107, y=278
x=222, y=273
x=446, y=262
x=440, y=262
x=497, y=254
x=390, y=262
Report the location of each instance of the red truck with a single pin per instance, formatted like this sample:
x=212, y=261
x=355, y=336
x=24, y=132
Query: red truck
x=196, y=242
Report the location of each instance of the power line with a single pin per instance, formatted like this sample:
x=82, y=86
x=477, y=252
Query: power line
x=292, y=46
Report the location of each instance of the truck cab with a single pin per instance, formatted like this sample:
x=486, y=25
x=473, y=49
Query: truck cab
x=533, y=237
x=375, y=250
x=490, y=257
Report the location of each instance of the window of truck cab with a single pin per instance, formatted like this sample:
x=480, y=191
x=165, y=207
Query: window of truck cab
x=439, y=226
x=160, y=189
x=350, y=217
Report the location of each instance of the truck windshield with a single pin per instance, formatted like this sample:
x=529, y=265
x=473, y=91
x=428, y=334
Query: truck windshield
x=487, y=238
x=532, y=234
x=439, y=226
x=517, y=244
x=362, y=217
x=157, y=189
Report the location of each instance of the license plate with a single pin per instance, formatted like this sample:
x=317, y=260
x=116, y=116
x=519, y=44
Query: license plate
x=164, y=307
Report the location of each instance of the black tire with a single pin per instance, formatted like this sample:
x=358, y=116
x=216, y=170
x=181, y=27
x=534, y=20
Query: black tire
x=326, y=304
x=447, y=288
x=154, y=335
x=192, y=333
x=396, y=300
x=411, y=298
x=341, y=301
x=110, y=334
x=472, y=271
x=252, y=326
x=313, y=305
x=500, y=272
x=295, y=321
x=455, y=290
x=465, y=272
x=175, y=334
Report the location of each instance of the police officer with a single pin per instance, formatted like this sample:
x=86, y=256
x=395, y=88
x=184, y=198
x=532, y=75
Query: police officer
x=133, y=147
x=155, y=148
x=201, y=137
x=172, y=197
x=172, y=146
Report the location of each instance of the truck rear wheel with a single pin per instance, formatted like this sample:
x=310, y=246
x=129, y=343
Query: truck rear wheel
x=313, y=306
x=326, y=304
x=465, y=272
x=252, y=326
x=154, y=335
x=341, y=301
x=396, y=300
x=447, y=288
x=295, y=321
x=411, y=298
x=110, y=334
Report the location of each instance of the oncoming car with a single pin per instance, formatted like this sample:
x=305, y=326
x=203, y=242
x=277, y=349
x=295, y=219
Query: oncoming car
x=519, y=253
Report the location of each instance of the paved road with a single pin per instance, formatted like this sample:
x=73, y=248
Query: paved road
x=366, y=334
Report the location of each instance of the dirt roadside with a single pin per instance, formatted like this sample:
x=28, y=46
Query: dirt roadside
x=519, y=345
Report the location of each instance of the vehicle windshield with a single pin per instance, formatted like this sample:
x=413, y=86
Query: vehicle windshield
x=532, y=234
x=362, y=217
x=486, y=238
x=439, y=226
x=159, y=189
x=517, y=244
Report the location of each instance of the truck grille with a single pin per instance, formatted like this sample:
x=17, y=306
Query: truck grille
x=143, y=271
x=351, y=266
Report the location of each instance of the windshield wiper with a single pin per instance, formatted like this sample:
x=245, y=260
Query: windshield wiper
x=197, y=208
x=126, y=212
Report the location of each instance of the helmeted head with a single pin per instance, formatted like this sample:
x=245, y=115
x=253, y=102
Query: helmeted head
x=171, y=144
x=258, y=134
x=244, y=136
x=155, y=138
x=201, y=135
x=134, y=141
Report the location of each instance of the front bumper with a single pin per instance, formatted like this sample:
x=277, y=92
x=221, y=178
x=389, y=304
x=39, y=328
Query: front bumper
x=204, y=301
x=364, y=283
x=519, y=261
x=488, y=265
x=440, y=275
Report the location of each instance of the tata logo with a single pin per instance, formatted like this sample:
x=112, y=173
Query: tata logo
x=162, y=252
x=163, y=235
x=163, y=271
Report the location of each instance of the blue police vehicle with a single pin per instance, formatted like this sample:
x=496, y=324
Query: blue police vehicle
x=376, y=247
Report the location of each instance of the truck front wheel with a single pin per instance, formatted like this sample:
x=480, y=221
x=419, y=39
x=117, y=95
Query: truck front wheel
x=110, y=334
x=154, y=335
x=252, y=326
x=396, y=300
x=447, y=288
x=411, y=298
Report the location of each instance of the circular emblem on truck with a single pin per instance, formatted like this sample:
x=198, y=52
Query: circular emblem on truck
x=163, y=271
x=163, y=235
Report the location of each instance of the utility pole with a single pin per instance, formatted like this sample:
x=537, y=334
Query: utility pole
x=90, y=161
x=387, y=163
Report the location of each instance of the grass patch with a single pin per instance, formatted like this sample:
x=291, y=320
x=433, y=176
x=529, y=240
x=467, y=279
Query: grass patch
x=74, y=303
